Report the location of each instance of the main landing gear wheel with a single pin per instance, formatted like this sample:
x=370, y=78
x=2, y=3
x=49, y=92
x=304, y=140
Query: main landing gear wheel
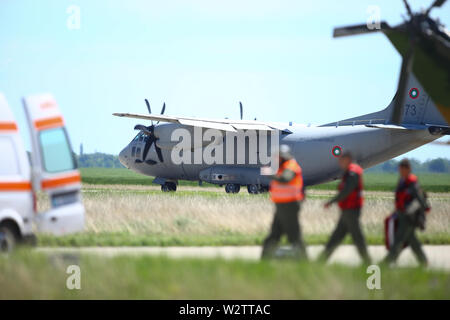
x=169, y=187
x=253, y=189
x=232, y=188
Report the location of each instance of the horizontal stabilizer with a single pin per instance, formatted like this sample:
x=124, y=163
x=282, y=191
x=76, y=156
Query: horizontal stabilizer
x=399, y=127
x=434, y=129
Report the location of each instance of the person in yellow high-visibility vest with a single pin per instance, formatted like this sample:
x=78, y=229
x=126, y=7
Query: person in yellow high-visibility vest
x=286, y=191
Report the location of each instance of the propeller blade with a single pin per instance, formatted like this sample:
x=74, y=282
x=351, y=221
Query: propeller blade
x=148, y=106
x=357, y=29
x=159, y=153
x=162, y=110
x=242, y=110
x=148, y=144
x=151, y=139
x=397, y=113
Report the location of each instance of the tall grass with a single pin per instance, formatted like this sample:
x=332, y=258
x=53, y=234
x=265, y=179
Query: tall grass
x=135, y=212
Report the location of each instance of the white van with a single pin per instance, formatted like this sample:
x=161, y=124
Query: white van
x=53, y=171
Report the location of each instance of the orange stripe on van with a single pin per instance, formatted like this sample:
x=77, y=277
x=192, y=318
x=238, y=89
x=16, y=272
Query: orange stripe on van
x=15, y=186
x=8, y=126
x=61, y=181
x=49, y=123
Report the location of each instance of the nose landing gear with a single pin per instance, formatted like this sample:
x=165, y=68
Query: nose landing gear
x=169, y=187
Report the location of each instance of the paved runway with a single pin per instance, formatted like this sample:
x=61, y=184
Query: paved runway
x=439, y=255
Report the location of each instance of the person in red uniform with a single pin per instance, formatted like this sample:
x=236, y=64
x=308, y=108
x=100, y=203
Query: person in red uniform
x=410, y=206
x=350, y=200
x=286, y=191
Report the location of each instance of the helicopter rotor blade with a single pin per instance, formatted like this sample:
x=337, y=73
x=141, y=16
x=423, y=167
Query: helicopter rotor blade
x=408, y=8
x=358, y=29
x=435, y=4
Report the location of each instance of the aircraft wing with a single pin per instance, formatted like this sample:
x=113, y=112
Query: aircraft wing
x=219, y=124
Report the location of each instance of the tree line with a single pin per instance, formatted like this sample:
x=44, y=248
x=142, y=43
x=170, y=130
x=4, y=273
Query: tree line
x=438, y=165
x=98, y=160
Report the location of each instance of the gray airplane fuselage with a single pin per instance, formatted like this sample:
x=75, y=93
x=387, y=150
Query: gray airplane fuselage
x=311, y=146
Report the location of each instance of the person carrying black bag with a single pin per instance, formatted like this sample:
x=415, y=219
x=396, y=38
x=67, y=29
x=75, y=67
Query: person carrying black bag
x=411, y=206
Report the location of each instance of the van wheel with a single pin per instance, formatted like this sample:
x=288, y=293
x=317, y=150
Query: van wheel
x=7, y=240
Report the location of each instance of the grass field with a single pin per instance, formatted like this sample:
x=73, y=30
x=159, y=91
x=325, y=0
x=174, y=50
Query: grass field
x=142, y=215
x=30, y=275
x=431, y=182
x=124, y=209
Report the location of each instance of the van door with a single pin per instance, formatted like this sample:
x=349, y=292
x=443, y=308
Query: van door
x=54, y=168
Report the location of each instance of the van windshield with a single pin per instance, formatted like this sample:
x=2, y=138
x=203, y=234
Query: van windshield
x=56, y=151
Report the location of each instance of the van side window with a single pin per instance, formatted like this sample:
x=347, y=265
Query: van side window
x=9, y=163
x=138, y=153
x=133, y=151
x=56, y=151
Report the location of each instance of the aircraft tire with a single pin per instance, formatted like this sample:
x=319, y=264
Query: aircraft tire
x=169, y=187
x=253, y=189
x=232, y=188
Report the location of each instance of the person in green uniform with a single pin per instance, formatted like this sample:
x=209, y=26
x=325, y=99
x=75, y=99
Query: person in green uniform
x=411, y=207
x=350, y=200
x=286, y=191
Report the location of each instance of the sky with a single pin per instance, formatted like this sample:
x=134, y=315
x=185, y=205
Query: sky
x=201, y=57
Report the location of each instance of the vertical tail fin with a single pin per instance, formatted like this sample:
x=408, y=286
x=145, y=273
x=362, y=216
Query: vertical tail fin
x=418, y=109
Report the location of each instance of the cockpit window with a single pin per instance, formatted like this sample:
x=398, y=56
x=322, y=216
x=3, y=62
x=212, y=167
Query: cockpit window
x=138, y=136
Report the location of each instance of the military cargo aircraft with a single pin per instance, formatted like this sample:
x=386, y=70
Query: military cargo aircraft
x=416, y=116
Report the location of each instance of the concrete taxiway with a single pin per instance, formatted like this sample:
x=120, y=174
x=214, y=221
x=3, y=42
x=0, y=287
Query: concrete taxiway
x=438, y=255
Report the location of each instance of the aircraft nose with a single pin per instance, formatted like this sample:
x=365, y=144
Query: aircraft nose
x=123, y=157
